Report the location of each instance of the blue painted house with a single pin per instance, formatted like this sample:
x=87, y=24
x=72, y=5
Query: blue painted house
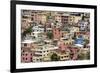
x=79, y=40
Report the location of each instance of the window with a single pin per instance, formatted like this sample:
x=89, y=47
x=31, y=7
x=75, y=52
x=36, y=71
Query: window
x=64, y=44
x=23, y=58
x=37, y=59
x=59, y=30
x=40, y=59
x=23, y=51
x=26, y=54
x=41, y=48
x=31, y=59
x=26, y=58
x=39, y=51
x=32, y=19
x=60, y=47
x=31, y=54
x=67, y=56
x=25, y=44
x=61, y=57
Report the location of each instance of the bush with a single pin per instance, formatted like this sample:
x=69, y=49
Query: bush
x=55, y=57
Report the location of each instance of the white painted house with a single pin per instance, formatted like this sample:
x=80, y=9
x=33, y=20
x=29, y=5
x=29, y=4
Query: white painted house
x=83, y=25
x=37, y=30
x=43, y=52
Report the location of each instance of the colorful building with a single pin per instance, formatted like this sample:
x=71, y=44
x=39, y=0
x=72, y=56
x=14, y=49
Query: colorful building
x=62, y=46
x=79, y=40
x=74, y=53
x=58, y=17
x=43, y=52
x=83, y=24
x=64, y=19
x=64, y=55
x=57, y=34
x=26, y=53
x=26, y=57
x=36, y=30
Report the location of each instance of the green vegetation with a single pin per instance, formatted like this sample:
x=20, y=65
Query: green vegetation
x=55, y=57
x=49, y=35
x=86, y=41
x=88, y=55
x=83, y=56
x=27, y=31
x=74, y=37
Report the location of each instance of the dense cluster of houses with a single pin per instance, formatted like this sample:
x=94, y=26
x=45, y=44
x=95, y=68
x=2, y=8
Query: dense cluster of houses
x=54, y=36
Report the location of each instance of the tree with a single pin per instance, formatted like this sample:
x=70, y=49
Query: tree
x=84, y=56
x=86, y=41
x=50, y=35
x=55, y=57
x=81, y=56
x=74, y=37
x=88, y=55
x=27, y=31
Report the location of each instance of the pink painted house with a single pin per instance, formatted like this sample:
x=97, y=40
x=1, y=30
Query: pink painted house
x=26, y=51
x=62, y=46
x=73, y=50
x=26, y=57
x=57, y=33
x=74, y=53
